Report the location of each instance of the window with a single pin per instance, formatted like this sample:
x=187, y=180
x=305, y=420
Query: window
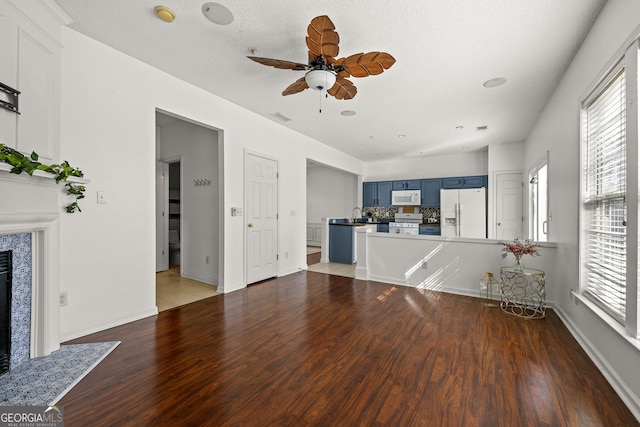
x=539, y=215
x=604, y=195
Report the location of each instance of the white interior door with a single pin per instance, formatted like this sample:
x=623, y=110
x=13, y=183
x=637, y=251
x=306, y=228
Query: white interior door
x=261, y=190
x=508, y=224
x=162, y=216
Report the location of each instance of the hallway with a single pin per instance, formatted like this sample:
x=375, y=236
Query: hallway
x=172, y=290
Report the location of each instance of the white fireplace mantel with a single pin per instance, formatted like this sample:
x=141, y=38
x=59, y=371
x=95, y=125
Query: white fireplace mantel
x=32, y=204
x=45, y=315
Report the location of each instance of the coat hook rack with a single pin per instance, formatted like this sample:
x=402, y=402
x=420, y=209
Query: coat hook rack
x=12, y=103
x=201, y=182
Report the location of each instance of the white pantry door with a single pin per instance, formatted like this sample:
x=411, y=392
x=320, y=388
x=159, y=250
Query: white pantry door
x=261, y=216
x=508, y=206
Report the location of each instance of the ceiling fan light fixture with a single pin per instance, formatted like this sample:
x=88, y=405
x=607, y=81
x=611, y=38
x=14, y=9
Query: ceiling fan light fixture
x=320, y=79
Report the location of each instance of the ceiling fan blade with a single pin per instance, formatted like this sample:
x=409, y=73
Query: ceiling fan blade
x=343, y=73
x=343, y=89
x=295, y=87
x=278, y=63
x=368, y=64
x=322, y=39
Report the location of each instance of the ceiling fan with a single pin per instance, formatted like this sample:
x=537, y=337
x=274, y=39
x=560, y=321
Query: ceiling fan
x=324, y=71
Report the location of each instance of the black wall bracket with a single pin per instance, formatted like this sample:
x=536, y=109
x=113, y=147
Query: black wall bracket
x=12, y=103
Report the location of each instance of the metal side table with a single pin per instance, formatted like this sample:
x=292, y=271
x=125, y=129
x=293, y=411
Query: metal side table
x=522, y=293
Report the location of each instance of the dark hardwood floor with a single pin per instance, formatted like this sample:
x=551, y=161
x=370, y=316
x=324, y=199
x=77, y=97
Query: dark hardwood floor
x=317, y=350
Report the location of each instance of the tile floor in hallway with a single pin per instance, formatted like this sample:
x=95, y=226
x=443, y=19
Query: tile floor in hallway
x=172, y=290
x=330, y=267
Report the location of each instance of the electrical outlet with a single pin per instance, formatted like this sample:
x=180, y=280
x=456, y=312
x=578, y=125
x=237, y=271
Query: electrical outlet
x=63, y=299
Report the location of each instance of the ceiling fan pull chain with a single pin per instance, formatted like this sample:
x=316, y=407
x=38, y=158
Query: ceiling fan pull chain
x=320, y=101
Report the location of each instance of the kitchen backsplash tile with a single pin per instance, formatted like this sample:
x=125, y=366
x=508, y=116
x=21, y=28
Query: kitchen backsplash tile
x=428, y=214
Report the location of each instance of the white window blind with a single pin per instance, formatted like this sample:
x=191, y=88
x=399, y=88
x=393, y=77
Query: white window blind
x=604, y=197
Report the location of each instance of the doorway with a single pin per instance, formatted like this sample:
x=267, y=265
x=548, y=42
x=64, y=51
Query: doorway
x=190, y=168
x=174, y=224
x=539, y=201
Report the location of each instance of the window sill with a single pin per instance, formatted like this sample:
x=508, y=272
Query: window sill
x=608, y=320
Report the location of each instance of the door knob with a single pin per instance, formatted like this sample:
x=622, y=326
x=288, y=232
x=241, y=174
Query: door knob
x=250, y=225
x=499, y=224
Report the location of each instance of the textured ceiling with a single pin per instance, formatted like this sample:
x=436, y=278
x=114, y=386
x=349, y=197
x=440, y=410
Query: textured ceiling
x=445, y=50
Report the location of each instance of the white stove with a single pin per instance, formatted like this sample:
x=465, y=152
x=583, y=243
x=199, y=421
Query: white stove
x=406, y=223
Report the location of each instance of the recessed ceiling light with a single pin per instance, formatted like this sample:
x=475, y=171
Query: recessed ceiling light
x=280, y=117
x=217, y=13
x=459, y=127
x=465, y=148
x=402, y=135
x=498, y=81
x=361, y=145
x=481, y=128
x=165, y=13
x=348, y=113
x=419, y=153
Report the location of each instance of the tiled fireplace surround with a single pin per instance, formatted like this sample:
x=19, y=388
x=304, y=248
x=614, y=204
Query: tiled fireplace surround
x=29, y=226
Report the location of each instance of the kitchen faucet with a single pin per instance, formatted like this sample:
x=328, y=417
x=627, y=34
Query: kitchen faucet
x=353, y=213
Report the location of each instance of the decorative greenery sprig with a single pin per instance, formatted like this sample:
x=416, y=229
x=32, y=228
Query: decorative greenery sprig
x=21, y=163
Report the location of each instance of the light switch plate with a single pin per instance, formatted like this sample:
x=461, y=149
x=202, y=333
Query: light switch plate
x=102, y=198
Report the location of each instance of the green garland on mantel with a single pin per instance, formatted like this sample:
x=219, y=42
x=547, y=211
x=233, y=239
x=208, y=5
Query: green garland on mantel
x=21, y=163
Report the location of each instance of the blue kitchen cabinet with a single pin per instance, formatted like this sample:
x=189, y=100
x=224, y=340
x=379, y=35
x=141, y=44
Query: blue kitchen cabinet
x=430, y=192
x=478, y=181
x=369, y=194
x=376, y=193
x=341, y=244
x=412, y=184
x=384, y=193
x=430, y=230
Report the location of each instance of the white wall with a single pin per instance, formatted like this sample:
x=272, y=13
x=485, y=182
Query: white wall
x=197, y=148
x=558, y=131
x=453, y=265
x=474, y=163
x=504, y=158
x=330, y=193
x=109, y=102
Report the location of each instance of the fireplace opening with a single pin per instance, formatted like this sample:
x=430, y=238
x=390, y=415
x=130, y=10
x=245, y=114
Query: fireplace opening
x=5, y=310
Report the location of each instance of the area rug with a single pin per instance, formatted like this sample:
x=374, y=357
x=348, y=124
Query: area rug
x=43, y=381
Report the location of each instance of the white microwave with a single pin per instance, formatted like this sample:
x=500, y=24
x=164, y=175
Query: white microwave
x=405, y=198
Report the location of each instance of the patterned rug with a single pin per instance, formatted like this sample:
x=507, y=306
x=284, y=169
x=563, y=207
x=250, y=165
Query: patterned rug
x=43, y=381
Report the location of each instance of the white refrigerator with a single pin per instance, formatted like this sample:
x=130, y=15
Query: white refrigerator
x=463, y=213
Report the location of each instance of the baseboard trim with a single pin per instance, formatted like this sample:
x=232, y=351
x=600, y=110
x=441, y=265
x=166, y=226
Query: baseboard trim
x=98, y=327
x=628, y=397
